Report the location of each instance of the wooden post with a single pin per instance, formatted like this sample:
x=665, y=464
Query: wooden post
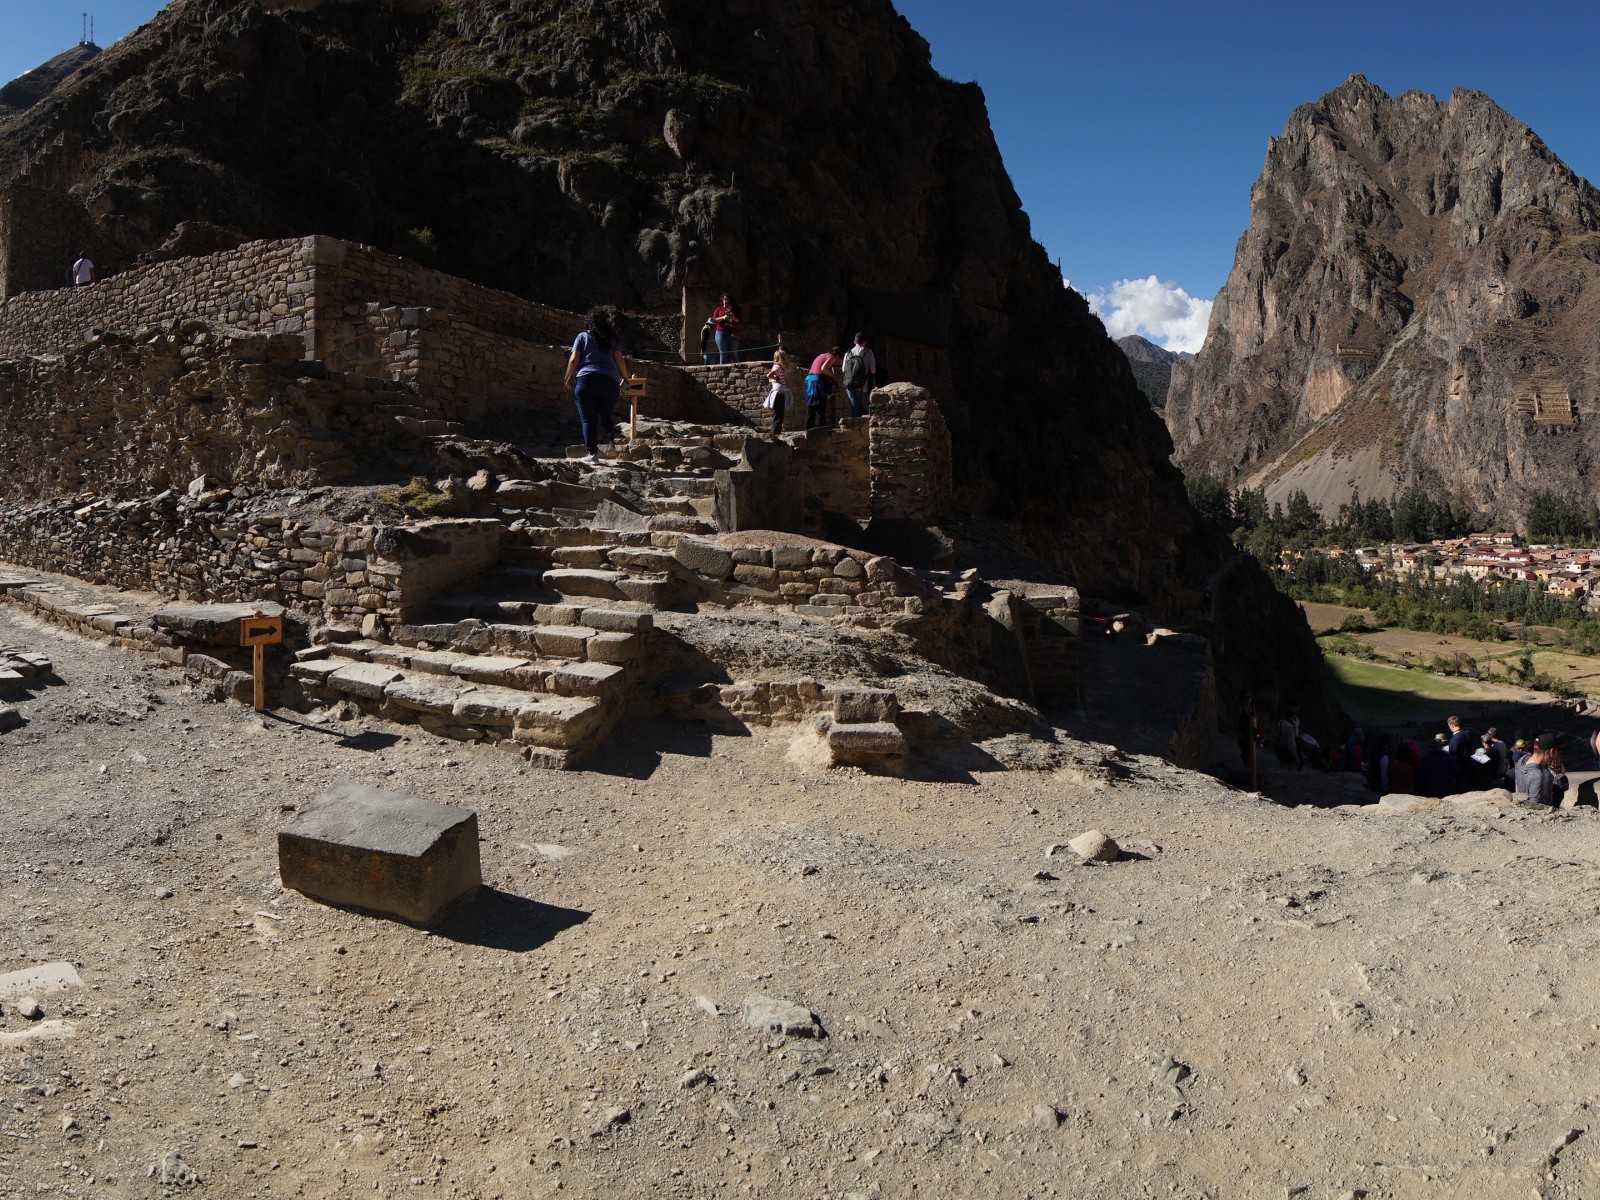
x=260, y=632
x=638, y=388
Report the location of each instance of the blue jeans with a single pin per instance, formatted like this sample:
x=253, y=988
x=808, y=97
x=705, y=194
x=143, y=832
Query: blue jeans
x=858, y=400
x=596, y=395
x=727, y=347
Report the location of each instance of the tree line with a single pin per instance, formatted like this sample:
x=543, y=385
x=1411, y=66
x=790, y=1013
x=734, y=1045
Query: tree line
x=1485, y=610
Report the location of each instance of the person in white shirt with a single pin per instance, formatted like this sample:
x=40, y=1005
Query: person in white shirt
x=83, y=272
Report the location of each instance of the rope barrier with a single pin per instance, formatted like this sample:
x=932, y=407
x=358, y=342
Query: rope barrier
x=670, y=358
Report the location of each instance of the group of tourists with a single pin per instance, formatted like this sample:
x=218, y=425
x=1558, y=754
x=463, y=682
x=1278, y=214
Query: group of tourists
x=597, y=366
x=854, y=370
x=1456, y=759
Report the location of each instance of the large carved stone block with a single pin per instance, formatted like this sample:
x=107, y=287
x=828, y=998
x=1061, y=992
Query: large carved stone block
x=362, y=847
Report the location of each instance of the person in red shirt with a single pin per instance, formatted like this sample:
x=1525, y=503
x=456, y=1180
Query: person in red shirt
x=820, y=384
x=725, y=322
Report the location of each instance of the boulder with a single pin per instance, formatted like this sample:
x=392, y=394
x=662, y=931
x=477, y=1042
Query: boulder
x=1094, y=846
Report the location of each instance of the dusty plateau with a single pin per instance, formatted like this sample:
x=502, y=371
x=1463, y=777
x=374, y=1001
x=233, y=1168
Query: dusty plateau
x=1253, y=1001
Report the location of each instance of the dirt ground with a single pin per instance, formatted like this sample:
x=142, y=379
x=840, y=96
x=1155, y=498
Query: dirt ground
x=1255, y=1001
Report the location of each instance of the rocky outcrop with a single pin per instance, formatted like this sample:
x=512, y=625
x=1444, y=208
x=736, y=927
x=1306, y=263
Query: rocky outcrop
x=1152, y=366
x=1414, y=301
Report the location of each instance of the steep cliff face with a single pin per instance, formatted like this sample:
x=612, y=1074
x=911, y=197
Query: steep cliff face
x=618, y=151
x=1414, y=300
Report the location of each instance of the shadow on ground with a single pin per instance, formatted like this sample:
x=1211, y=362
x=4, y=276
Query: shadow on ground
x=636, y=747
x=503, y=921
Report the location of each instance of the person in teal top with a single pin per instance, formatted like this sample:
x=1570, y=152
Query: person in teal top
x=594, y=377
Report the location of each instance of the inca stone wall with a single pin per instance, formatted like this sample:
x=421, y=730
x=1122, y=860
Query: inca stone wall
x=225, y=546
x=910, y=451
x=262, y=287
x=125, y=416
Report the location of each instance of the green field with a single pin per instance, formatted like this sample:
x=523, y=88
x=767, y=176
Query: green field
x=1369, y=691
x=1386, y=691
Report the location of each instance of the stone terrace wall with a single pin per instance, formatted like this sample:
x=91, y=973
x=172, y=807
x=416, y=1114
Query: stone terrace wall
x=261, y=286
x=480, y=355
x=232, y=547
x=124, y=417
x=738, y=390
x=348, y=274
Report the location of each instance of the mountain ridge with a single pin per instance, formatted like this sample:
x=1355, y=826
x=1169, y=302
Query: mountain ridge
x=1410, y=304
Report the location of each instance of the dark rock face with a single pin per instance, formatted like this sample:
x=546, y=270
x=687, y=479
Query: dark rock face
x=1152, y=366
x=1414, y=301
x=619, y=151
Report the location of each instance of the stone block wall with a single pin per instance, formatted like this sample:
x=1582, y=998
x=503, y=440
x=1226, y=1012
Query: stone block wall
x=828, y=580
x=234, y=547
x=125, y=416
x=835, y=475
x=910, y=452
x=736, y=392
x=1051, y=628
x=347, y=274
x=260, y=287
x=476, y=353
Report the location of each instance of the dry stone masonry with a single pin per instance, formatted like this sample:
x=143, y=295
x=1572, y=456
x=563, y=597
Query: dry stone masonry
x=200, y=429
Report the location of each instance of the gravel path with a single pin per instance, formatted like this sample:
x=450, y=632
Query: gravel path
x=1254, y=1001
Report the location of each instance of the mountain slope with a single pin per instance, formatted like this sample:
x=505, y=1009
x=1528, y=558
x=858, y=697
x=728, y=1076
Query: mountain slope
x=1414, y=301
x=23, y=92
x=1152, y=366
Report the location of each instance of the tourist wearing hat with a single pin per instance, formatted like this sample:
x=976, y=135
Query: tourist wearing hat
x=1535, y=778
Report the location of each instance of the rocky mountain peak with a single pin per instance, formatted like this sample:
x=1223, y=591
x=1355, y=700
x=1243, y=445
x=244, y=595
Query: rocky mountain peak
x=1412, y=268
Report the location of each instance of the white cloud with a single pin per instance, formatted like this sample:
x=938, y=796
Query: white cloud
x=1160, y=311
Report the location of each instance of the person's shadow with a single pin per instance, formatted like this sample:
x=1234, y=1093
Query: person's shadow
x=503, y=921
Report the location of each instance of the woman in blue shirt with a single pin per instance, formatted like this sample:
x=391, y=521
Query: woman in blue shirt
x=594, y=377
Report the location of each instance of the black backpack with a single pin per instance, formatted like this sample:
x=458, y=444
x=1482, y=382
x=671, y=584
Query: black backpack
x=855, y=369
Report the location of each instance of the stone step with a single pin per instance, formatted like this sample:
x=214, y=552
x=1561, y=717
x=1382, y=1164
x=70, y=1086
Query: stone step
x=582, y=556
x=684, y=485
x=430, y=427
x=673, y=505
x=555, y=633
x=578, y=581
x=550, y=730
x=562, y=535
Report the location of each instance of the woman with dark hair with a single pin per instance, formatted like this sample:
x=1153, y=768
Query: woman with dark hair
x=594, y=377
x=725, y=321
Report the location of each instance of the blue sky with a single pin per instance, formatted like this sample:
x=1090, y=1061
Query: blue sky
x=1133, y=133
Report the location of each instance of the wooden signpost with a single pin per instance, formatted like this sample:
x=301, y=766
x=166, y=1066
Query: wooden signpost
x=261, y=632
x=636, y=388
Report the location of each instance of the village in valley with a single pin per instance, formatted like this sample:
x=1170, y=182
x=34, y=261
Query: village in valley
x=1565, y=572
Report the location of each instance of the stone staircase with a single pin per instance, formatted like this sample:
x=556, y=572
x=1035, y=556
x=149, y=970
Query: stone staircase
x=548, y=691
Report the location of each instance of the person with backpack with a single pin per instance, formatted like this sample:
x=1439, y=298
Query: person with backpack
x=859, y=369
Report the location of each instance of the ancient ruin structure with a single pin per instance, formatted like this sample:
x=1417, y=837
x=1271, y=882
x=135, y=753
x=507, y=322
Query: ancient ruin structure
x=196, y=428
